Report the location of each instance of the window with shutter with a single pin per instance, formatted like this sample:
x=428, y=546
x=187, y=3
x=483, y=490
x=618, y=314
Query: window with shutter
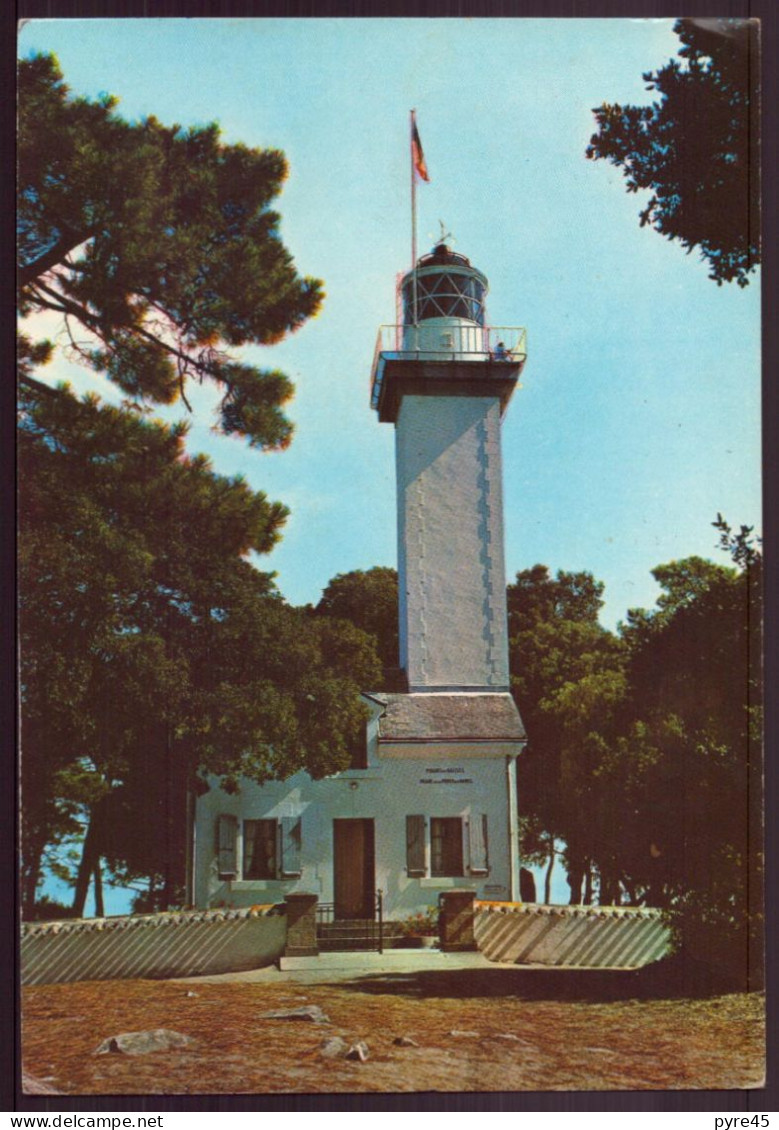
x=415, y=846
x=226, y=837
x=291, y=842
x=477, y=836
x=260, y=849
x=446, y=846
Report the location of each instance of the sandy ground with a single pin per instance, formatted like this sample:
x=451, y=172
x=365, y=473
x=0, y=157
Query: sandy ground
x=478, y=1029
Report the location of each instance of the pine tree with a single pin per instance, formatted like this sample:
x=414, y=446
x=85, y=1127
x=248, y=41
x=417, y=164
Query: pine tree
x=566, y=676
x=158, y=247
x=696, y=148
x=153, y=654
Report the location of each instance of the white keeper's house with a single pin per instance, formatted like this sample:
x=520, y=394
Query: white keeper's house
x=431, y=801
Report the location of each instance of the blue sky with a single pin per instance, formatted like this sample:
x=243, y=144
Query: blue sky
x=638, y=419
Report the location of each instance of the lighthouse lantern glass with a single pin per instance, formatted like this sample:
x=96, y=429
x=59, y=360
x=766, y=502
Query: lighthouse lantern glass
x=443, y=294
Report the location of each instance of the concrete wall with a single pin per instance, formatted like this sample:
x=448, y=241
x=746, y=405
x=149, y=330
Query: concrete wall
x=161, y=945
x=452, y=584
x=616, y=937
x=387, y=791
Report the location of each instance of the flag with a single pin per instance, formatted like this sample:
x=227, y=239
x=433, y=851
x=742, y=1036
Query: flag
x=417, y=156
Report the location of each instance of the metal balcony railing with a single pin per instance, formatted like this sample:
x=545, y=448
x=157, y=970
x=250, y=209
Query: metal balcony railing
x=436, y=341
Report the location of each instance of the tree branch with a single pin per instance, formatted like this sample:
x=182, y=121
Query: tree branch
x=68, y=306
x=39, y=386
x=31, y=271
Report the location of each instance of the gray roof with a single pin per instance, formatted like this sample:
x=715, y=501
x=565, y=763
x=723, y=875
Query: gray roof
x=450, y=717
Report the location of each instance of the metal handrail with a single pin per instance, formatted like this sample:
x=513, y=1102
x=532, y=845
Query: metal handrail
x=368, y=929
x=469, y=342
x=390, y=338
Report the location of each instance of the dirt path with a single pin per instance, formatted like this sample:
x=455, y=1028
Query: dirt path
x=474, y=1033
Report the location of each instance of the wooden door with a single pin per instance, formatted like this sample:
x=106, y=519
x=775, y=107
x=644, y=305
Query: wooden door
x=353, y=868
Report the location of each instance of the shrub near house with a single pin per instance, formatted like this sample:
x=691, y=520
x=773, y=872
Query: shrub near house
x=420, y=929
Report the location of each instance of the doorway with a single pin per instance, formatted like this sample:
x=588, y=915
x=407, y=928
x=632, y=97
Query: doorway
x=354, y=869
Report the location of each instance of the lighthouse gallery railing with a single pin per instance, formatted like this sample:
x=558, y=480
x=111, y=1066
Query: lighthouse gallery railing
x=436, y=340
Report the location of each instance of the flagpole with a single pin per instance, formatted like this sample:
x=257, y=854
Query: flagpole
x=413, y=213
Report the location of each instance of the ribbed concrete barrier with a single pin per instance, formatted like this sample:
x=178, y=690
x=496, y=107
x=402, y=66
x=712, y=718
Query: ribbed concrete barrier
x=156, y=945
x=619, y=937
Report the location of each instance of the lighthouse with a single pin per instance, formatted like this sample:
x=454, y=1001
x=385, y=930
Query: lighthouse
x=443, y=377
x=428, y=805
x=445, y=382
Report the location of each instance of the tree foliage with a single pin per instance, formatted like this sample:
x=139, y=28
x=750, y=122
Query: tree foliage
x=369, y=600
x=696, y=148
x=158, y=247
x=152, y=652
x=151, y=649
x=693, y=731
x=644, y=765
x=566, y=672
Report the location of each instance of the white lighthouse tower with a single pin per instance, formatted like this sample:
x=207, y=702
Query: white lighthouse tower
x=444, y=379
x=445, y=384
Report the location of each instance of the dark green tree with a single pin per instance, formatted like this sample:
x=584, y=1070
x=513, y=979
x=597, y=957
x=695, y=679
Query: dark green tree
x=695, y=743
x=566, y=672
x=696, y=148
x=158, y=247
x=152, y=651
x=369, y=600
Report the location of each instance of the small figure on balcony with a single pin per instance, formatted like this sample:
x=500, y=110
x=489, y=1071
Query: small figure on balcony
x=501, y=353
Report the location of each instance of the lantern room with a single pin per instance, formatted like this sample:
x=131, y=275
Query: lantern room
x=443, y=305
x=443, y=337
x=444, y=285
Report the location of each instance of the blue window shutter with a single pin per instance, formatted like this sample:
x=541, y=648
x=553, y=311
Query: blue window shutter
x=415, y=846
x=291, y=841
x=226, y=841
x=477, y=829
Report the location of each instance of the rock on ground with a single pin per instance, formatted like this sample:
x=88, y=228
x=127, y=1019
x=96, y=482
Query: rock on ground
x=333, y=1047
x=358, y=1051
x=33, y=1086
x=311, y=1012
x=139, y=1043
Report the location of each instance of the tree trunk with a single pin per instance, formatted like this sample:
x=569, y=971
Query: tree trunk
x=588, y=884
x=176, y=824
x=86, y=867
x=630, y=887
x=32, y=854
x=152, y=903
x=30, y=879
x=98, y=877
x=575, y=880
x=608, y=892
x=548, y=876
x=169, y=868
